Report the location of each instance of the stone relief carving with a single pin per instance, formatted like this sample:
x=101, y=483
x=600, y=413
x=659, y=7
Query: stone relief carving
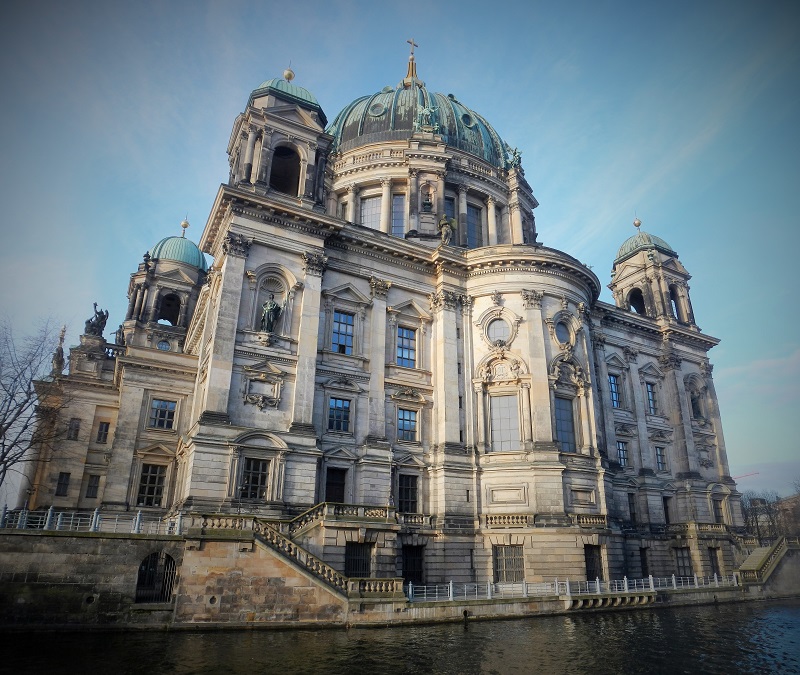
x=497, y=298
x=314, y=263
x=378, y=287
x=443, y=299
x=236, y=244
x=630, y=354
x=532, y=299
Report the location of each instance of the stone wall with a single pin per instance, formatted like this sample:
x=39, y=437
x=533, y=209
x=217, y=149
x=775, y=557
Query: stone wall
x=60, y=578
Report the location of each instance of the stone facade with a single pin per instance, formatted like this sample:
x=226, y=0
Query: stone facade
x=381, y=329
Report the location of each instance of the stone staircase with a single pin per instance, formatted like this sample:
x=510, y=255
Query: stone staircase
x=763, y=561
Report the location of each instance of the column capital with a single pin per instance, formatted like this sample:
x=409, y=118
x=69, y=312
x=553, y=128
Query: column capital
x=532, y=299
x=443, y=300
x=314, y=264
x=462, y=189
x=490, y=201
x=386, y=182
x=352, y=189
x=236, y=244
x=379, y=287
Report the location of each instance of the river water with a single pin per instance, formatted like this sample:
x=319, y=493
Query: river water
x=748, y=637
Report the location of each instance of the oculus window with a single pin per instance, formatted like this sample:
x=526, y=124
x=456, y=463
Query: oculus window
x=498, y=331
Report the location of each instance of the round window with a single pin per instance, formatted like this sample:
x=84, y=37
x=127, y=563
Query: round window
x=163, y=345
x=562, y=332
x=467, y=120
x=498, y=330
x=377, y=109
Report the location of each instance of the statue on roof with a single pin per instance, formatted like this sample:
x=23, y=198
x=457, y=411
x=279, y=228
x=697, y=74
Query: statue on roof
x=96, y=324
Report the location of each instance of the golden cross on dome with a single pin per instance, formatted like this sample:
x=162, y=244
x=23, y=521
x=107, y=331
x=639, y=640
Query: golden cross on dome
x=413, y=44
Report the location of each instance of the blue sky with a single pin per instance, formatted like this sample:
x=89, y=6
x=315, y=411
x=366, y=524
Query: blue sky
x=116, y=117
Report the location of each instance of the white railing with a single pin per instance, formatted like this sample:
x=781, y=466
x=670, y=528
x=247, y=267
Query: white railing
x=90, y=521
x=455, y=591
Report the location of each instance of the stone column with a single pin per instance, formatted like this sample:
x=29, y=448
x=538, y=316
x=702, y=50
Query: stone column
x=248, y=157
x=132, y=302
x=302, y=181
x=137, y=311
x=377, y=362
x=266, y=158
x=492, y=221
x=527, y=426
x=220, y=364
x=445, y=368
x=676, y=402
x=386, y=205
x=462, y=214
x=542, y=431
x=413, y=199
x=439, y=207
x=352, y=193
x=516, y=223
x=303, y=403
x=184, y=307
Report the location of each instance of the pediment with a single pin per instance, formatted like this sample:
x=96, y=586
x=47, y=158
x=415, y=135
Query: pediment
x=175, y=274
x=615, y=361
x=408, y=394
x=156, y=451
x=340, y=452
x=347, y=292
x=673, y=264
x=407, y=459
x=343, y=383
x=260, y=439
x=294, y=113
x=652, y=370
x=410, y=308
x=263, y=369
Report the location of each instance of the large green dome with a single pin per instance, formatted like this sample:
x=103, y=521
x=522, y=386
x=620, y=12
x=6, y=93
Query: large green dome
x=179, y=249
x=640, y=241
x=394, y=114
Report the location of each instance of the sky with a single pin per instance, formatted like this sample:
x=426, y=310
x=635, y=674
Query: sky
x=116, y=118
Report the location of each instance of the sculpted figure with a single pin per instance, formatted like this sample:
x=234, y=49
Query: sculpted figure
x=96, y=325
x=270, y=311
x=446, y=230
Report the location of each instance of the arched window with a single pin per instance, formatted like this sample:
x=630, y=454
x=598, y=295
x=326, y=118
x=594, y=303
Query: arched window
x=676, y=306
x=285, y=173
x=169, y=309
x=636, y=300
x=156, y=578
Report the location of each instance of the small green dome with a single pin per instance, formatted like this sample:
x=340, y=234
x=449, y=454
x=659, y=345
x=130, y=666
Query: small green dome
x=179, y=249
x=289, y=92
x=640, y=241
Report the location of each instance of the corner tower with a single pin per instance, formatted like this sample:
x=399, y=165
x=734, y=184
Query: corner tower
x=648, y=278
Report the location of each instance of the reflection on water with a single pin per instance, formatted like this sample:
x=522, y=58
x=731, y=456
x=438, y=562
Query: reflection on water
x=740, y=638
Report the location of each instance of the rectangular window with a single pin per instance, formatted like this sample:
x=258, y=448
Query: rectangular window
x=565, y=424
x=683, y=562
x=713, y=559
x=92, y=486
x=343, y=210
x=613, y=388
x=593, y=560
x=62, y=487
x=406, y=347
x=357, y=559
x=450, y=207
x=622, y=453
x=74, y=429
x=406, y=425
x=371, y=212
x=412, y=564
x=667, y=502
x=102, y=432
x=254, y=478
x=407, y=502
x=162, y=414
x=339, y=414
x=661, y=459
x=652, y=401
x=474, y=226
x=643, y=562
x=632, y=507
x=509, y=564
x=399, y=216
x=505, y=423
x=342, y=337
x=151, y=485
x=335, y=485
x=719, y=515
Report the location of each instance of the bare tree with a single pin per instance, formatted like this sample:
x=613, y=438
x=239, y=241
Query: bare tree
x=763, y=517
x=29, y=369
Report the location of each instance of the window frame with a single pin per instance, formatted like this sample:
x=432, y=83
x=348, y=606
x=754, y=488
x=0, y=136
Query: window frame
x=103, y=429
x=406, y=344
x=344, y=420
x=398, y=217
x=407, y=495
x=170, y=417
x=159, y=485
x=661, y=458
x=515, y=442
x=74, y=429
x=260, y=486
x=683, y=562
x=557, y=426
x=62, y=484
x=473, y=228
x=336, y=346
x=623, y=457
x=508, y=563
x=358, y=559
x=92, y=486
x=404, y=435
x=615, y=390
x=651, y=397
x=373, y=220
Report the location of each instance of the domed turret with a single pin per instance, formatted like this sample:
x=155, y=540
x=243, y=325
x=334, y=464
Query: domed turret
x=179, y=249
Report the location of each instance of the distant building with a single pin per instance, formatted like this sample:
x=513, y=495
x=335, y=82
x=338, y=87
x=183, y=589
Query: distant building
x=381, y=332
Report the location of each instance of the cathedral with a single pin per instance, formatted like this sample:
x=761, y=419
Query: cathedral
x=384, y=362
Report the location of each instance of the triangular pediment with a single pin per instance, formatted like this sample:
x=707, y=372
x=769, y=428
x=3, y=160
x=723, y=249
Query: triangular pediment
x=347, y=292
x=407, y=459
x=175, y=274
x=410, y=308
x=156, y=451
x=294, y=113
x=263, y=368
x=650, y=369
x=340, y=452
x=615, y=361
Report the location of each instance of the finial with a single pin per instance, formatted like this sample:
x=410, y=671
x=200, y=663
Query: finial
x=412, y=66
x=288, y=74
x=637, y=223
x=184, y=225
